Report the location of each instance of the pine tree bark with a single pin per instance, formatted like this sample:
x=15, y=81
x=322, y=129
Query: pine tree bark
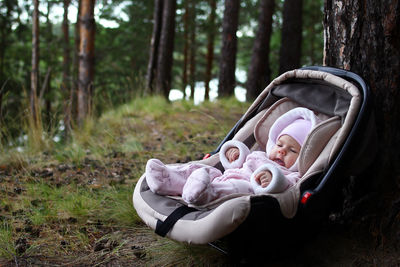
x=75, y=66
x=49, y=59
x=66, y=48
x=2, y=90
x=291, y=37
x=66, y=85
x=154, y=44
x=86, y=59
x=192, y=69
x=185, y=48
x=227, y=64
x=35, y=63
x=364, y=37
x=259, y=70
x=164, y=63
x=210, y=48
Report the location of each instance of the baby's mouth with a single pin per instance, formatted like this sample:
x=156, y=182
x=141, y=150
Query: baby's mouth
x=279, y=161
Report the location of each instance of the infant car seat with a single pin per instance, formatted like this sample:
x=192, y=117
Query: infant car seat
x=332, y=152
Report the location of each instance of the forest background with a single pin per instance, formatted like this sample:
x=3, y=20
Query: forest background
x=83, y=105
x=120, y=54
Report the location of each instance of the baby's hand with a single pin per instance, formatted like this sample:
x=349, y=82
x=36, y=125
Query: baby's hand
x=263, y=178
x=232, y=154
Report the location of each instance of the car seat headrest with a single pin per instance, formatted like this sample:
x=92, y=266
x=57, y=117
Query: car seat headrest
x=316, y=141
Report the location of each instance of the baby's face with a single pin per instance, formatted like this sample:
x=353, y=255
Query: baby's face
x=285, y=152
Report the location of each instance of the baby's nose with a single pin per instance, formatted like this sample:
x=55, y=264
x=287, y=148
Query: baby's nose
x=282, y=151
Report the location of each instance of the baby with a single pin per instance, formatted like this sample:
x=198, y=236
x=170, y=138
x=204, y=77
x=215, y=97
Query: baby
x=284, y=153
x=257, y=172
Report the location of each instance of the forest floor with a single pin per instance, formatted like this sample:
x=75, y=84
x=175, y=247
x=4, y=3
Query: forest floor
x=71, y=205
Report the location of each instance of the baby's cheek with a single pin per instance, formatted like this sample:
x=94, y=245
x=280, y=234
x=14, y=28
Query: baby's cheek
x=292, y=160
x=272, y=155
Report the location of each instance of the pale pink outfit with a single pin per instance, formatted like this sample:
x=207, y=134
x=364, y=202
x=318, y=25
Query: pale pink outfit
x=199, y=184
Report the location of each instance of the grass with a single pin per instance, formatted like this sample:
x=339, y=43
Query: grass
x=7, y=250
x=44, y=203
x=72, y=203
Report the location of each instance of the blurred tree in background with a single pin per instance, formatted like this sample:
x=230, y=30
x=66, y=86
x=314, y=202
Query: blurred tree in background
x=259, y=69
x=227, y=62
x=86, y=60
x=290, y=52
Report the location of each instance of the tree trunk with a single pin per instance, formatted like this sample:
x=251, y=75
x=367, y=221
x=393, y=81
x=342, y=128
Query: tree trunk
x=192, y=76
x=185, y=48
x=164, y=63
x=75, y=66
x=35, y=63
x=227, y=63
x=259, y=71
x=2, y=90
x=290, y=52
x=364, y=37
x=66, y=49
x=154, y=44
x=46, y=85
x=46, y=88
x=210, y=48
x=66, y=85
x=86, y=59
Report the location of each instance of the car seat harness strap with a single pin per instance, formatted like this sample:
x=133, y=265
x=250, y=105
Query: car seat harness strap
x=163, y=227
